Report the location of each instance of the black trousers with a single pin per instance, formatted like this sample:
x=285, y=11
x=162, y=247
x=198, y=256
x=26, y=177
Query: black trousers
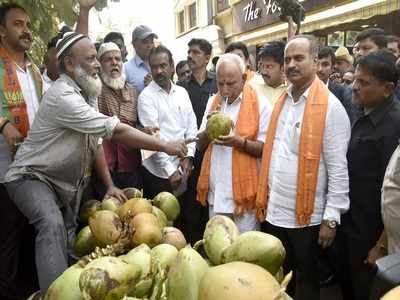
x=18, y=277
x=302, y=252
x=355, y=276
x=152, y=185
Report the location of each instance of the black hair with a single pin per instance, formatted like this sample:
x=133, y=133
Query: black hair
x=382, y=65
x=377, y=35
x=61, y=64
x=5, y=8
x=274, y=50
x=203, y=44
x=325, y=52
x=393, y=39
x=238, y=46
x=162, y=49
x=180, y=64
x=112, y=36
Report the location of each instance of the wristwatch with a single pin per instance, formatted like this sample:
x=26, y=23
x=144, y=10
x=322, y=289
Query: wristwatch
x=330, y=223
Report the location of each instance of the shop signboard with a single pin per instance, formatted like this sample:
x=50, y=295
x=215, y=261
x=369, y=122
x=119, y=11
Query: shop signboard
x=251, y=14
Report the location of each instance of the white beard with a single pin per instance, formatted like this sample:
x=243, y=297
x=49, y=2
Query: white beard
x=91, y=86
x=114, y=83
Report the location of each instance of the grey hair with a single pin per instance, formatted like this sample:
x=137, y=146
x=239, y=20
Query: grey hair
x=314, y=47
x=231, y=58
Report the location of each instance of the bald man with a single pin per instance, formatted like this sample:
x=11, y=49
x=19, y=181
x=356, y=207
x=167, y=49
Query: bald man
x=303, y=183
x=228, y=157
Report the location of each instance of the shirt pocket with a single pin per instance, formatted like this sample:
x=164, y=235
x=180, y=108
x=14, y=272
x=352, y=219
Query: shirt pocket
x=295, y=132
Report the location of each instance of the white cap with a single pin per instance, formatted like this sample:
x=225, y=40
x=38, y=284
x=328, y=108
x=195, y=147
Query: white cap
x=107, y=47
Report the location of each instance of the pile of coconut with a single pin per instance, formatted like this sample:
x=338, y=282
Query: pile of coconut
x=131, y=251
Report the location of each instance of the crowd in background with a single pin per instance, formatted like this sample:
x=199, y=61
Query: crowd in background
x=312, y=157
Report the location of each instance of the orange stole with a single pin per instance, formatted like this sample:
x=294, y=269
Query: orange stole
x=310, y=146
x=244, y=166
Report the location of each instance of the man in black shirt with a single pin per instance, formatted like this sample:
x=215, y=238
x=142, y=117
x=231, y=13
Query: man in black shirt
x=201, y=86
x=374, y=137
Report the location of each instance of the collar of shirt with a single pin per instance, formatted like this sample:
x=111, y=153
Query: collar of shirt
x=158, y=88
x=209, y=77
x=138, y=61
x=377, y=114
x=92, y=101
x=302, y=98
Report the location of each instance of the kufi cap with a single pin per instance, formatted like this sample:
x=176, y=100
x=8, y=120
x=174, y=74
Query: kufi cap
x=107, y=47
x=343, y=54
x=142, y=32
x=68, y=39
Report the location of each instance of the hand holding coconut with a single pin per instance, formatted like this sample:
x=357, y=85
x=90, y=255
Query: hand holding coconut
x=115, y=192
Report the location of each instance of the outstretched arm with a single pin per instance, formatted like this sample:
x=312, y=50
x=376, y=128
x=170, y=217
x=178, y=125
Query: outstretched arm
x=83, y=18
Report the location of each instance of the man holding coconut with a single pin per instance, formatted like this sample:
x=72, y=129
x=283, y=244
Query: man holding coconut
x=52, y=165
x=229, y=173
x=303, y=183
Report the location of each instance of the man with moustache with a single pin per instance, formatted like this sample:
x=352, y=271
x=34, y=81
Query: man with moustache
x=164, y=105
x=118, y=98
x=270, y=83
x=368, y=41
x=200, y=87
x=183, y=72
x=374, y=137
x=303, y=182
x=51, y=167
x=137, y=70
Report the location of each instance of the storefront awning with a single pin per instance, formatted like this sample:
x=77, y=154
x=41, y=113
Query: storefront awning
x=347, y=13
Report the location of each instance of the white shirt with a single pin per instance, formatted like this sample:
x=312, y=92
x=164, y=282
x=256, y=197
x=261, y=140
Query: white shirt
x=173, y=113
x=47, y=82
x=27, y=84
x=331, y=197
x=220, y=193
x=391, y=202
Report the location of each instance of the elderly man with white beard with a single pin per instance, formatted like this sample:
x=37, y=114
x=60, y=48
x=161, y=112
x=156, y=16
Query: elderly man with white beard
x=118, y=98
x=51, y=167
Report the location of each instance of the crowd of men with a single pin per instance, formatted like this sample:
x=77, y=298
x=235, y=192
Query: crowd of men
x=312, y=158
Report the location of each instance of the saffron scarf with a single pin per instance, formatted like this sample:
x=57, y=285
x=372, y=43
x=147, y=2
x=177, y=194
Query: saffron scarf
x=244, y=166
x=310, y=146
x=11, y=96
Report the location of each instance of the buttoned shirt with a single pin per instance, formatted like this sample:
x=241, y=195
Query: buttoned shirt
x=220, y=192
x=122, y=104
x=173, y=114
x=266, y=92
x=63, y=139
x=28, y=88
x=331, y=197
x=374, y=137
x=135, y=70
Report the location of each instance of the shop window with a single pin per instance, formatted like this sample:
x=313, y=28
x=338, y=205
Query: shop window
x=192, y=15
x=181, y=21
x=222, y=5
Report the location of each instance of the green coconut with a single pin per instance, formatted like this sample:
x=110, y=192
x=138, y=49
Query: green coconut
x=164, y=255
x=240, y=281
x=88, y=209
x=111, y=204
x=106, y=227
x=169, y=204
x=161, y=216
x=258, y=248
x=132, y=193
x=185, y=274
x=393, y=294
x=108, y=278
x=84, y=242
x=141, y=256
x=217, y=125
x=220, y=233
x=174, y=237
x=66, y=286
x=147, y=230
x=134, y=206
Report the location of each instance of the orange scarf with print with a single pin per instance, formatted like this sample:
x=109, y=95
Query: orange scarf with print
x=244, y=166
x=310, y=146
x=11, y=96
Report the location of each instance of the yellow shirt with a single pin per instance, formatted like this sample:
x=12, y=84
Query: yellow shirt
x=265, y=91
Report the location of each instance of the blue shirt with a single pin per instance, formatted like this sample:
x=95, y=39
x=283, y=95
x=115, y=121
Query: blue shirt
x=135, y=70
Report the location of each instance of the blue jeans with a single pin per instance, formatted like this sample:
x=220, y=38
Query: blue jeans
x=38, y=203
